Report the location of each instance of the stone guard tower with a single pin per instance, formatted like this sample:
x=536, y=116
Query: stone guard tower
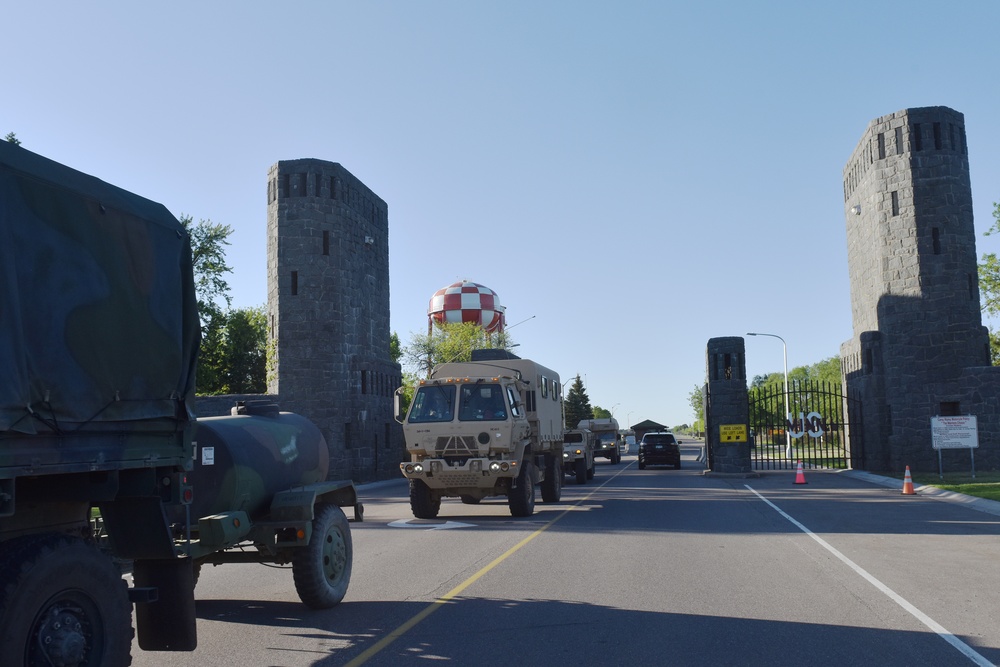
x=726, y=404
x=919, y=348
x=328, y=313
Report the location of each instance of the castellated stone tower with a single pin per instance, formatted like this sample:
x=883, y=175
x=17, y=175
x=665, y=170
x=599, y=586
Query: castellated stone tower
x=919, y=348
x=328, y=313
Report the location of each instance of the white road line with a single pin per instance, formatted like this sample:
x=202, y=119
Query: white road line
x=933, y=625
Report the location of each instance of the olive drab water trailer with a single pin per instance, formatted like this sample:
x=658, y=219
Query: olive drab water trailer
x=100, y=470
x=488, y=427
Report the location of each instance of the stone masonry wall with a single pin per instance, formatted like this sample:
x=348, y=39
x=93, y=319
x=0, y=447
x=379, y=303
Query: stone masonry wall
x=914, y=284
x=328, y=313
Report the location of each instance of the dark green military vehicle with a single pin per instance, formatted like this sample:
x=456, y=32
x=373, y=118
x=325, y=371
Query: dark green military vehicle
x=103, y=467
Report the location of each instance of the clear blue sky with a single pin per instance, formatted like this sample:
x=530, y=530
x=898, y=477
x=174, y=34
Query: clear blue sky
x=638, y=176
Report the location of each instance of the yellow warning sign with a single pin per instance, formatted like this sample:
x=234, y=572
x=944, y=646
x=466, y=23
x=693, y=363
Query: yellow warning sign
x=732, y=433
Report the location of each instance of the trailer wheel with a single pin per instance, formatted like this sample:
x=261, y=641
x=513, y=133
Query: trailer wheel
x=552, y=484
x=423, y=503
x=322, y=569
x=521, y=498
x=62, y=602
x=581, y=471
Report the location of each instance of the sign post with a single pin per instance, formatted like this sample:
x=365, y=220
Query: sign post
x=958, y=432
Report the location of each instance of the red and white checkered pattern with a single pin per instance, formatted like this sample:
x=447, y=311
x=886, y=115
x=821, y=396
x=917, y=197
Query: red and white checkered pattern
x=467, y=302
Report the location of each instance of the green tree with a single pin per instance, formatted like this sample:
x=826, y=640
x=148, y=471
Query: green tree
x=601, y=413
x=208, y=254
x=989, y=286
x=395, y=348
x=244, y=357
x=697, y=402
x=449, y=342
x=576, y=405
x=12, y=138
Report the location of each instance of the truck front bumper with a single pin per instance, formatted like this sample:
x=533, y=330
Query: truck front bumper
x=476, y=472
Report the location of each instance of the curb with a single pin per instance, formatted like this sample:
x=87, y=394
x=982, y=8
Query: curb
x=972, y=502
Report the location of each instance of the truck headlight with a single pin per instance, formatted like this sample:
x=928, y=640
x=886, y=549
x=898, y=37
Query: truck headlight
x=494, y=466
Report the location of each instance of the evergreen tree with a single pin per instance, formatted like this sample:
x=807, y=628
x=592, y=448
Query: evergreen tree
x=577, y=404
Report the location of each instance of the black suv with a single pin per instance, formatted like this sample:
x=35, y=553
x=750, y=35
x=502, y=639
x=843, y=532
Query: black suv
x=659, y=449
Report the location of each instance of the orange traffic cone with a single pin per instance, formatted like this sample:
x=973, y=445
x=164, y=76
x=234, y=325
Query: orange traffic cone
x=907, y=483
x=800, y=477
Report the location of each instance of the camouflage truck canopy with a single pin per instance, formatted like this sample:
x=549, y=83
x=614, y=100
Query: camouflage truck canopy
x=98, y=314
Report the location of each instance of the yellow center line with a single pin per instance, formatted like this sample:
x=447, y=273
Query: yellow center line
x=381, y=644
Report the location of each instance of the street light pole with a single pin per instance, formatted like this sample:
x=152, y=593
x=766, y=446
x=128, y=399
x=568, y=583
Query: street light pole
x=788, y=416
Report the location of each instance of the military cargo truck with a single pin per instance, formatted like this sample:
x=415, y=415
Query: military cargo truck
x=578, y=454
x=488, y=427
x=606, y=436
x=103, y=466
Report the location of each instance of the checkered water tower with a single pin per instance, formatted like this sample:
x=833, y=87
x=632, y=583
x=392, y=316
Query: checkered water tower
x=468, y=302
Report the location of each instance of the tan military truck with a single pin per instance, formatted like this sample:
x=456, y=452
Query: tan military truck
x=578, y=454
x=607, y=437
x=488, y=427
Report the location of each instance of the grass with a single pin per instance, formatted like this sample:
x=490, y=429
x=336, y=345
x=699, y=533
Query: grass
x=985, y=485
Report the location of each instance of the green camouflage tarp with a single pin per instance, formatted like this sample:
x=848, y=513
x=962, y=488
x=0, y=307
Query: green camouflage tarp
x=98, y=315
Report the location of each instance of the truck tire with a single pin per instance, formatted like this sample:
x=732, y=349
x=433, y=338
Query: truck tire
x=62, y=602
x=470, y=500
x=592, y=470
x=581, y=471
x=423, y=503
x=322, y=569
x=616, y=456
x=521, y=498
x=552, y=484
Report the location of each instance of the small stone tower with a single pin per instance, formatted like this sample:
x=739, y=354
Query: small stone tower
x=328, y=313
x=918, y=333
x=726, y=406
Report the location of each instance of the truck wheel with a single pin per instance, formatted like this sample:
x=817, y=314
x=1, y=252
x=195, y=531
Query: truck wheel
x=581, y=471
x=521, y=498
x=422, y=501
x=642, y=464
x=592, y=470
x=552, y=484
x=63, y=602
x=470, y=500
x=616, y=457
x=322, y=568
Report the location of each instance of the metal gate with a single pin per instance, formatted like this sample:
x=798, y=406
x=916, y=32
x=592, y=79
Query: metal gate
x=812, y=427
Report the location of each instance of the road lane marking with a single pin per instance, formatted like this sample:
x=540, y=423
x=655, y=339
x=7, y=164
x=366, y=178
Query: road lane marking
x=447, y=525
x=933, y=625
x=381, y=644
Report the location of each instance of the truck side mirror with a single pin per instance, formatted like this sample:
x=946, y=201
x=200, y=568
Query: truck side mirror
x=399, y=412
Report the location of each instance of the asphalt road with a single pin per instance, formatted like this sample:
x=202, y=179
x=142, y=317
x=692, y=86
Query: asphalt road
x=649, y=567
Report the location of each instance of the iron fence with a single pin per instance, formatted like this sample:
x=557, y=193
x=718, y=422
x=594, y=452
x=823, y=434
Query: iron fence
x=814, y=429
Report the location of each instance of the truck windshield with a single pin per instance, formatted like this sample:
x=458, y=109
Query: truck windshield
x=433, y=403
x=481, y=402
x=607, y=437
